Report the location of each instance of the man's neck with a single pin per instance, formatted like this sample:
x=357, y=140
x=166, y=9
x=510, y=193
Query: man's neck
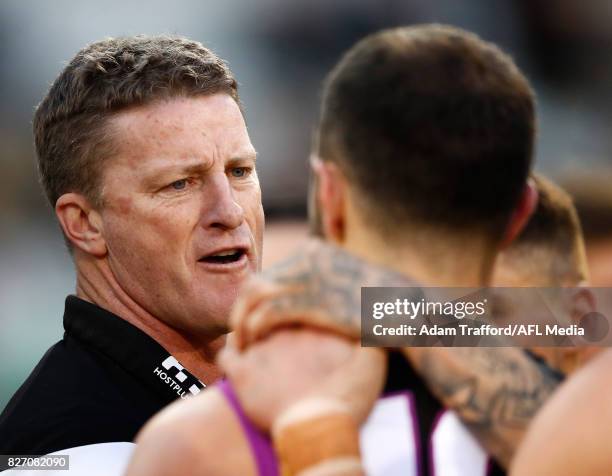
x=431, y=262
x=196, y=353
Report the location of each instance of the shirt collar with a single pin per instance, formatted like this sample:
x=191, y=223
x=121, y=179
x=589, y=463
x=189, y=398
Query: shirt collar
x=130, y=348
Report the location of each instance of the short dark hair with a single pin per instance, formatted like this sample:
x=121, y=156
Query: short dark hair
x=432, y=125
x=70, y=124
x=552, y=244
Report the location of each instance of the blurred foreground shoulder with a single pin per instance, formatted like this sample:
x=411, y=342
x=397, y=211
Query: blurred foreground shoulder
x=201, y=435
x=571, y=433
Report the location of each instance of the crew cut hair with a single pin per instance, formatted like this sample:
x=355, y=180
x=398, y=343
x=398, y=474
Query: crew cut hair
x=433, y=126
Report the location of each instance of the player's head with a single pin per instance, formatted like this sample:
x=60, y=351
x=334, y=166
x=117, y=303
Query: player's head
x=426, y=134
x=144, y=153
x=592, y=195
x=550, y=251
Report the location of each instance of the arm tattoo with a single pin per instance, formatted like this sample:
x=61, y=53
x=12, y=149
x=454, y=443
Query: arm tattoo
x=329, y=279
x=495, y=391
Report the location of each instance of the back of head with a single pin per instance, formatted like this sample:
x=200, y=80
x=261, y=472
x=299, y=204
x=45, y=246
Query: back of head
x=592, y=195
x=71, y=124
x=550, y=250
x=549, y=253
x=433, y=127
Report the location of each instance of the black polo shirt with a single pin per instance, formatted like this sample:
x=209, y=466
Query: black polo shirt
x=99, y=384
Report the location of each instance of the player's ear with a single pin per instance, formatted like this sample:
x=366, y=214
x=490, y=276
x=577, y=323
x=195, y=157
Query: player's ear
x=81, y=223
x=521, y=214
x=582, y=302
x=331, y=197
x=314, y=207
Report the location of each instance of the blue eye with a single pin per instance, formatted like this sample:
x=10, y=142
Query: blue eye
x=240, y=172
x=179, y=184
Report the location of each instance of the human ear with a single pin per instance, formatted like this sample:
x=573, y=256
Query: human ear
x=582, y=302
x=81, y=224
x=331, y=194
x=314, y=207
x=522, y=213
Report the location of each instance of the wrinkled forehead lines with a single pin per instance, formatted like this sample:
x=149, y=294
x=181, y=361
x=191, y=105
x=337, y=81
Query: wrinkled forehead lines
x=207, y=124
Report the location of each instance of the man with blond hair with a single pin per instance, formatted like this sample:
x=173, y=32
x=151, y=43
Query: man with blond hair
x=144, y=155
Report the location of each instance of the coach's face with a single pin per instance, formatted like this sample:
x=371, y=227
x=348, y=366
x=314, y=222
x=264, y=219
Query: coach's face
x=182, y=214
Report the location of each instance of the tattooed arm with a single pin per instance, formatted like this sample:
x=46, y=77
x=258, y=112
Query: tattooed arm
x=320, y=287
x=494, y=391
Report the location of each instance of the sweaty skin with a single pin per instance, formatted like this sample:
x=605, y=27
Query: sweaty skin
x=188, y=436
x=321, y=287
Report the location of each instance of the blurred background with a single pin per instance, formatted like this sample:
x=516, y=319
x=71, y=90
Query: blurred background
x=280, y=50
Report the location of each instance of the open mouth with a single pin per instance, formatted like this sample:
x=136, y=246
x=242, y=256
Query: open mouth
x=224, y=257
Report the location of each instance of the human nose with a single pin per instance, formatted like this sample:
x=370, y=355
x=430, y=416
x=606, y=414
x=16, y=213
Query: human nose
x=221, y=210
